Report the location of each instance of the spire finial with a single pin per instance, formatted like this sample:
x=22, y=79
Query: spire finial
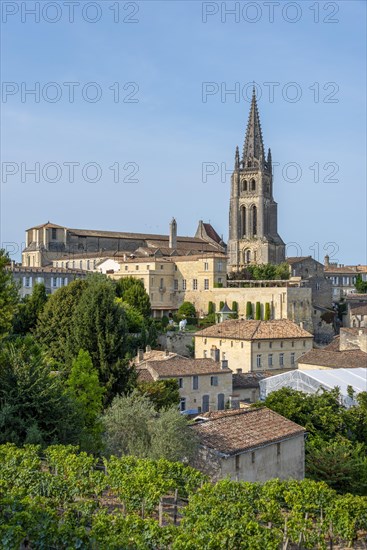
x=237, y=159
x=253, y=147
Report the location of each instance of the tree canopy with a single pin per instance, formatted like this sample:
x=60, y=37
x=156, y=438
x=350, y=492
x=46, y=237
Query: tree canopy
x=8, y=295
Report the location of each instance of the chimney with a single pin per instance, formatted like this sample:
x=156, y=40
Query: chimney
x=214, y=354
x=301, y=324
x=327, y=260
x=140, y=355
x=224, y=364
x=239, y=371
x=148, y=349
x=173, y=234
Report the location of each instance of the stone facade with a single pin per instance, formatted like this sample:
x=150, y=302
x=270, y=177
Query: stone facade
x=52, y=278
x=343, y=278
x=253, y=233
x=280, y=348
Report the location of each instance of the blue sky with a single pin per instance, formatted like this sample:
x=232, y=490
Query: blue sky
x=171, y=131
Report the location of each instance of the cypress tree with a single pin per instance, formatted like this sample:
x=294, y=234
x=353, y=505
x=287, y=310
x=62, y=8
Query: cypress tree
x=249, y=310
x=258, y=311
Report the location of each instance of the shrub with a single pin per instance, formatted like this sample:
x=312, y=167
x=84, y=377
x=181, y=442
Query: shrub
x=258, y=311
x=249, y=312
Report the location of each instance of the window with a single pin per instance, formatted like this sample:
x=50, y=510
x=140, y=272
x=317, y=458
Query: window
x=180, y=383
x=270, y=360
x=214, y=380
x=317, y=286
x=65, y=281
x=206, y=284
x=253, y=185
x=148, y=267
x=231, y=344
x=219, y=280
x=253, y=457
x=237, y=460
x=81, y=264
x=281, y=344
x=183, y=404
x=220, y=266
x=53, y=234
x=183, y=284
x=292, y=344
x=241, y=344
x=293, y=357
x=194, y=284
x=162, y=266
x=126, y=267
x=137, y=268
x=259, y=345
x=304, y=343
x=206, y=266
x=205, y=403
x=270, y=345
x=88, y=264
x=54, y=282
x=278, y=449
x=281, y=359
x=258, y=360
x=161, y=285
x=27, y=282
x=220, y=401
x=205, y=354
x=195, y=382
x=175, y=284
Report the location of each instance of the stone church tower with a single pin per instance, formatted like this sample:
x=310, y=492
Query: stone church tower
x=253, y=232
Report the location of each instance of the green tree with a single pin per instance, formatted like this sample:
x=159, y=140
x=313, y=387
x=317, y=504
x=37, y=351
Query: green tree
x=361, y=286
x=258, y=311
x=267, y=312
x=221, y=305
x=8, y=295
x=132, y=291
x=249, y=313
x=187, y=309
x=55, y=325
x=85, y=390
x=162, y=393
x=99, y=326
x=133, y=427
x=134, y=319
x=30, y=309
x=33, y=405
x=211, y=308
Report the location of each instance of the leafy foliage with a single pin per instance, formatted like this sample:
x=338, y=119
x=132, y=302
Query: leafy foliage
x=361, y=286
x=8, y=296
x=249, y=313
x=162, y=393
x=336, y=447
x=29, y=310
x=134, y=427
x=66, y=499
x=33, y=405
x=187, y=309
x=132, y=291
x=258, y=311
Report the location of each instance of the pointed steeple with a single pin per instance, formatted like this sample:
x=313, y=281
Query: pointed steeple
x=268, y=161
x=253, y=147
x=237, y=159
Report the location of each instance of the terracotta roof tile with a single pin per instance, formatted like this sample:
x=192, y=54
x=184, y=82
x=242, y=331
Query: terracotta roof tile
x=334, y=359
x=233, y=432
x=238, y=329
x=181, y=366
x=360, y=308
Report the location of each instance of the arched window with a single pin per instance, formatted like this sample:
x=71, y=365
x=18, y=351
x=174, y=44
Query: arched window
x=253, y=185
x=247, y=256
x=243, y=220
x=254, y=220
x=245, y=185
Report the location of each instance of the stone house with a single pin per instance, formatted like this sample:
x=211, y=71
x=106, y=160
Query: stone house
x=246, y=386
x=250, y=445
x=53, y=278
x=348, y=350
x=254, y=346
x=356, y=315
x=343, y=278
x=204, y=384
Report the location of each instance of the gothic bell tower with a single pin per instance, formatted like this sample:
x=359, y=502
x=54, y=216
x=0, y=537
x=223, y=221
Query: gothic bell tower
x=253, y=225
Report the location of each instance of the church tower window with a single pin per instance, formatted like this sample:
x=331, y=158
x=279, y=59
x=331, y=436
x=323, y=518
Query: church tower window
x=243, y=220
x=253, y=185
x=254, y=220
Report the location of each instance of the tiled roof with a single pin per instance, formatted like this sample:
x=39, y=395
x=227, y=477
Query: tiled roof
x=296, y=259
x=155, y=355
x=182, y=366
x=238, y=329
x=358, y=308
x=345, y=269
x=47, y=225
x=211, y=232
x=233, y=432
x=144, y=375
x=248, y=379
x=334, y=359
x=47, y=269
x=334, y=345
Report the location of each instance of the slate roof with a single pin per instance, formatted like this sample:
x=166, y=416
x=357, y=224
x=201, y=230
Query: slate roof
x=237, y=431
x=238, y=329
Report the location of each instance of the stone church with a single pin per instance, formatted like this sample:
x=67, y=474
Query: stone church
x=253, y=232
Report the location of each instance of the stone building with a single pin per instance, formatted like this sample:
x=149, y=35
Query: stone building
x=253, y=231
x=250, y=445
x=254, y=346
x=50, y=242
x=343, y=278
x=204, y=384
x=356, y=314
x=312, y=274
x=53, y=278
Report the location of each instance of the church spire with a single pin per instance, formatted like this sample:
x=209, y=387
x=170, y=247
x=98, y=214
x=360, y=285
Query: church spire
x=253, y=147
x=237, y=159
